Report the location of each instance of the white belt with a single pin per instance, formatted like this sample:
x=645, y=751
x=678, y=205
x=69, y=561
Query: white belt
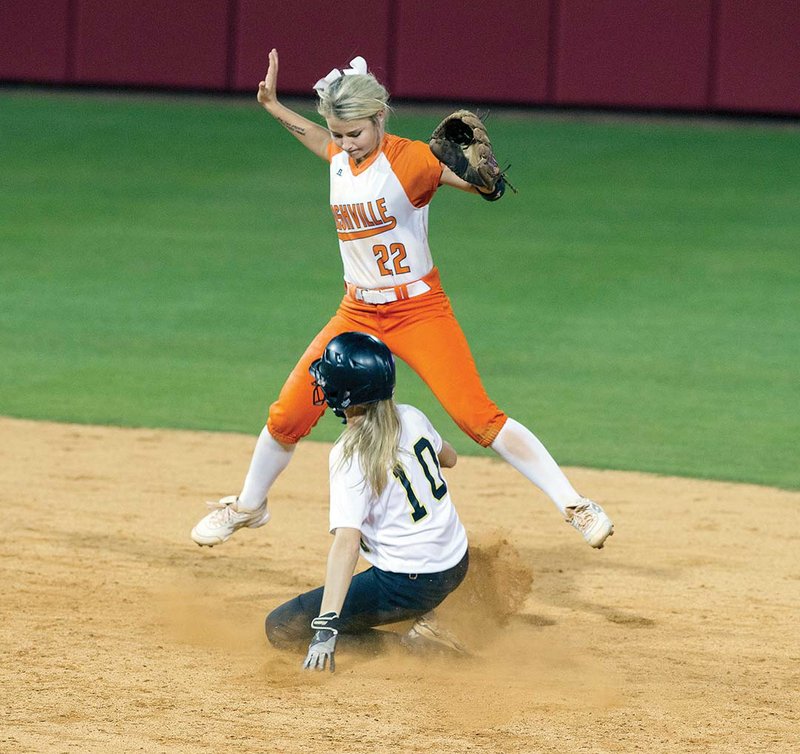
x=388, y=295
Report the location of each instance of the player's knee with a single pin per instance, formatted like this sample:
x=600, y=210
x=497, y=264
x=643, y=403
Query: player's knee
x=286, y=630
x=482, y=429
x=287, y=428
x=281, y=430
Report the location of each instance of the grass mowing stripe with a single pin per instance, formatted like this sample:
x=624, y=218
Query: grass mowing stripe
x=163, y=263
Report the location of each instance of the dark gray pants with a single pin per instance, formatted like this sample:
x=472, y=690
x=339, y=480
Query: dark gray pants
x=375, y=598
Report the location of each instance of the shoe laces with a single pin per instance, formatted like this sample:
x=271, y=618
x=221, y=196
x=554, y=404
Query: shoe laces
x=583, y=517
x=222, y=512
x=430, y=628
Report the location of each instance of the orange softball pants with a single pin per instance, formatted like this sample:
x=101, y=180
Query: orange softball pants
x=423, y=332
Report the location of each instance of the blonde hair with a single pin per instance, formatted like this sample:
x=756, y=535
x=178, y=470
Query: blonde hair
x=375, y=439
x=353, y=97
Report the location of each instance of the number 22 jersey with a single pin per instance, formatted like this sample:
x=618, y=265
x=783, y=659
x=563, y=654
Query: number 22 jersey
x=380, y=209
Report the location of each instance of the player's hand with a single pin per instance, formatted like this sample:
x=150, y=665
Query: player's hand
x=321, y=651
x=268, y=88
x=323, y=645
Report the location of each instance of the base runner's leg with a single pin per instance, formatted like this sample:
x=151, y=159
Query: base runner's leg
x=434, y=346
x=437, y=350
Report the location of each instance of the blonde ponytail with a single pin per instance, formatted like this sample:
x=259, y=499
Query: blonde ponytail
x=375, y=440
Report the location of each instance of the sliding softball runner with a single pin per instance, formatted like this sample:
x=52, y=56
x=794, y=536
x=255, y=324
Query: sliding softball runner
x=380, y=189
x=389, y=503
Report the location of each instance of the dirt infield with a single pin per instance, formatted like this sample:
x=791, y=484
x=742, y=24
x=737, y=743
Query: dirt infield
x=119, y=634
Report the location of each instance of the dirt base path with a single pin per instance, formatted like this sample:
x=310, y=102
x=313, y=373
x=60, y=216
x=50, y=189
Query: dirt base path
x=119, y=634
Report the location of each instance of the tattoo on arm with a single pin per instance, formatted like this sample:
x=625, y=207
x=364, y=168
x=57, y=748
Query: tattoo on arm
x=299, y=130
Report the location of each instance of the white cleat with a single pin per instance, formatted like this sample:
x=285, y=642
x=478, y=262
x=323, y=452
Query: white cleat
x=426, y=634
x=591, y=521
x=225, y=519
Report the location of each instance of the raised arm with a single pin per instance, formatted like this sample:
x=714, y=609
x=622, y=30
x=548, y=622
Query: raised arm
x=311, y=135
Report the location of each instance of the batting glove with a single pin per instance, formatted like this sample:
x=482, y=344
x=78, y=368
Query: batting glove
x=323, y=645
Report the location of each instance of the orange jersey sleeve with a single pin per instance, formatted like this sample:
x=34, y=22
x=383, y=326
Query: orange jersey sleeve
x=332, y=150
x=415, y=166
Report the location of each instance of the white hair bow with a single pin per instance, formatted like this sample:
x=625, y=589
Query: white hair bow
x=357, y=65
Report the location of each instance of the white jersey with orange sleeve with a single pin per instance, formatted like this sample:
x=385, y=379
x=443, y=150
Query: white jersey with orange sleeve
x=412, y=526
x=381, y=212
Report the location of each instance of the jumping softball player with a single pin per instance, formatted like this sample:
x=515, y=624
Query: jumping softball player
x=389, y=501
x=380, y=189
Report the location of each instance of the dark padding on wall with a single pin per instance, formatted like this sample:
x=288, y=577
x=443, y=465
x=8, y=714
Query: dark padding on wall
x=310, y=42
x=152, y=43
x=34, y=40
x=632, y=53
x=758, y=56
x=693, y=55
x=473, y=52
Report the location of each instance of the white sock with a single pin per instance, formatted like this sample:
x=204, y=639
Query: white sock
x=270, y=458
x=525, y=452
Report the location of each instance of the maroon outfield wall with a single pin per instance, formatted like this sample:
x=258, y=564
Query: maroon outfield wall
x=692, y=55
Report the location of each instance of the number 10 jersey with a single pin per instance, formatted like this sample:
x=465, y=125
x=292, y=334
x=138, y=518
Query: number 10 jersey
x=412, y=526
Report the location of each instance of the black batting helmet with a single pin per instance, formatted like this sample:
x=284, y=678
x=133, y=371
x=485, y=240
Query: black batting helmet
x=355, y=368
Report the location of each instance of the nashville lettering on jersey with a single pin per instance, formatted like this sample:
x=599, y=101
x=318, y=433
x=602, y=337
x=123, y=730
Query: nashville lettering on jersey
x=362, y=220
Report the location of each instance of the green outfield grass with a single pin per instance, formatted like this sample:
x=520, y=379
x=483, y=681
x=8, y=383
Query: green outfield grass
x=164, y=262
